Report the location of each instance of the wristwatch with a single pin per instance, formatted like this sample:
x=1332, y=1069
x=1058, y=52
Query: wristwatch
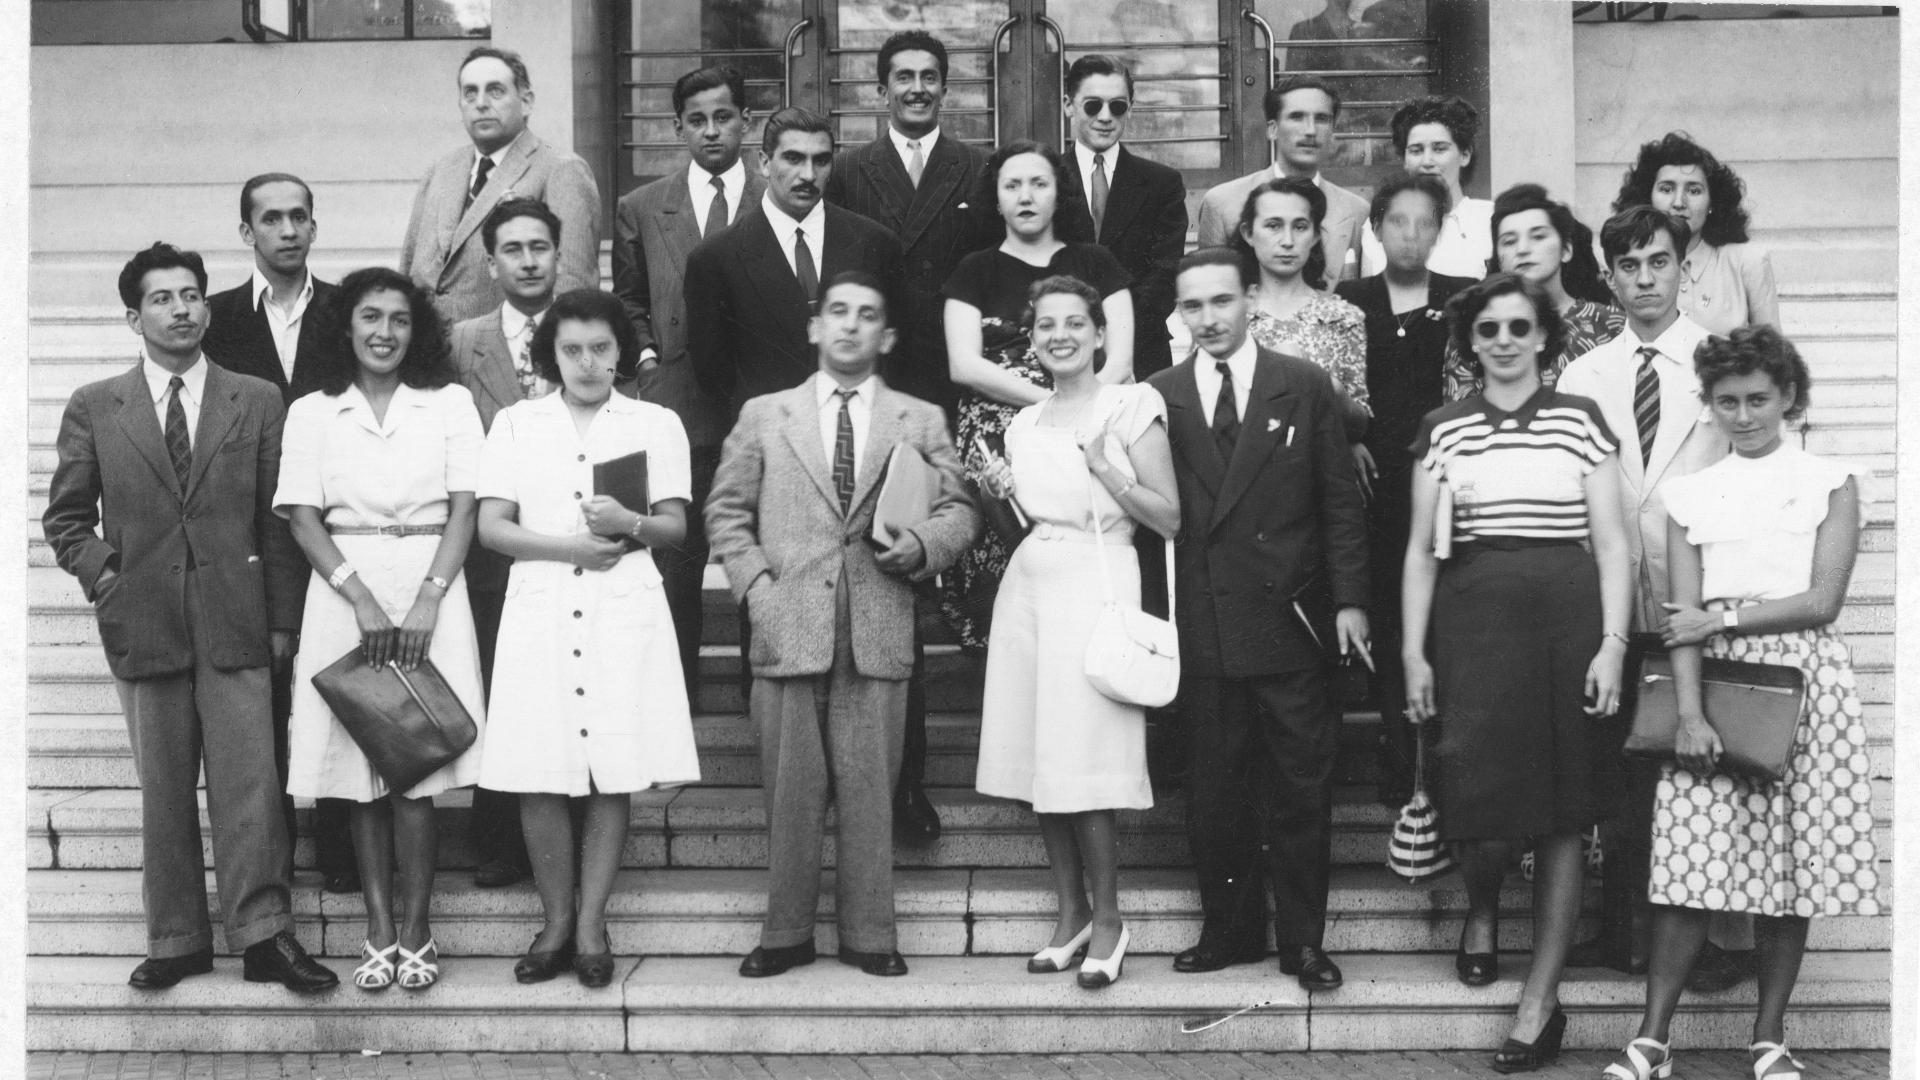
x=1730, y=619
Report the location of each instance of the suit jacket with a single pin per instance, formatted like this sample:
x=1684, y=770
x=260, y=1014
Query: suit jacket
x=1685, y=442
x=1282, y=521
x=746, y=314
x=774, y=511
x=1146, y=229
x=484, y=367
x=1401, y=393
x=936, y=224
x=656, y=227
x=248, y=572
x=1340, y=233
x=444, y=251
x=239, y=340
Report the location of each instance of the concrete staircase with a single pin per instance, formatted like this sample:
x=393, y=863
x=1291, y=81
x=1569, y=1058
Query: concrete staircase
x=971, y=905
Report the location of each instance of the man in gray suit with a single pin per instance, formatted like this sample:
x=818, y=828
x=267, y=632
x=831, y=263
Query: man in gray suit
x=443, y=249
x=832, y=618
x=655, y=227
x=1300, y=116
x=162, y=506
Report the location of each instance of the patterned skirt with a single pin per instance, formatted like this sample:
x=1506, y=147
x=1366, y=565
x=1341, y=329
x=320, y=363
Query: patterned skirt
x=968, y=587
x=1801, y=846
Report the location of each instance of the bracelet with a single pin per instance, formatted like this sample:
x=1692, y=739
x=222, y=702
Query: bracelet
x=634, y=532
x=1128, y=486
x=1613, y=634
x=445, y=585
x=340, y=575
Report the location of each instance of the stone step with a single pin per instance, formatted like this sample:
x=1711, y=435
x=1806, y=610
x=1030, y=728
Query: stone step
x=943, y=1005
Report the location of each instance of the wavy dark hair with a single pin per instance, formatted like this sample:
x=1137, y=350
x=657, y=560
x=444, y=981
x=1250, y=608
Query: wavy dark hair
x=1452, y=112
x=1726, y=219
x=1467, y=304
x=989, y=194
x=584, y=305
x=1315, y=271
x=160, y=256
x=1064, y=285
x=428, y=364
x=1580, y=274
x=1634, y=227
x=1749, y=349
x=906, y=41
x=1399, y=184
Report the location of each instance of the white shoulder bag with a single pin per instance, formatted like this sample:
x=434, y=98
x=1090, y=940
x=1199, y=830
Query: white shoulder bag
x=1132, y=657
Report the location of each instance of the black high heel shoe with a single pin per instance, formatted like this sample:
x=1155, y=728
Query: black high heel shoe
x=1480, y=968
x=1515, y=1056
x=538, y=967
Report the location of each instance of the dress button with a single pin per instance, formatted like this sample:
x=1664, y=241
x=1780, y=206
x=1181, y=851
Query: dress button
x=1260, y=536
x=583, y=733
x=576, y=652
x=580, y=691
x=577, y=571
x=577, y=495
x=580, y=457
x=576, y=614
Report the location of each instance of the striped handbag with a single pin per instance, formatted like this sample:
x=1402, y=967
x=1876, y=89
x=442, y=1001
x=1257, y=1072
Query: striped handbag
x=1415, y=850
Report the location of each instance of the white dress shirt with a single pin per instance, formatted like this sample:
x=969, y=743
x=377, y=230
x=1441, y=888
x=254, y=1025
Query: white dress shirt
x=496, y=157
x=814, y=225
x=192, y=391
x=906, y=153
x=859, y=408
x=733, y=184
x=283, y=324
x=1239, y=366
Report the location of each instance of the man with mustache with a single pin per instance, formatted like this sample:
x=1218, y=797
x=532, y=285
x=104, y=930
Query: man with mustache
x=1644, y=382
x=271, y=328
x=493, y=355
x=916, y=181
x=1300, y=115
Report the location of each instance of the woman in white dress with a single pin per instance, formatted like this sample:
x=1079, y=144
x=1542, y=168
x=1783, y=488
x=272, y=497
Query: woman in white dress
x=588, y=698
x=1089, y=456
x=377, y=476
x=1761, y=547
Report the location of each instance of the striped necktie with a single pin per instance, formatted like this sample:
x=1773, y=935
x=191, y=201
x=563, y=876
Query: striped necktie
x=843, y=452
x=1646, y=402
x=179, y=446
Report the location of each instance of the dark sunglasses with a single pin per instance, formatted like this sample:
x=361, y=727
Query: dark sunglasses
x=1092, y=106
x=1488, y=329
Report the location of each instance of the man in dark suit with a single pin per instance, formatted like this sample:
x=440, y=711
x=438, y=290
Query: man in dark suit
x=193, y=580
x=751, y=289
x=1272, y=585
x=272, y=328
x=917, y=181
x=655, y=228
x=1134, y=207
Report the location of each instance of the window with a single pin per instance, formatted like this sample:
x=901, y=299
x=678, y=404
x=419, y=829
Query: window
x=156, y=22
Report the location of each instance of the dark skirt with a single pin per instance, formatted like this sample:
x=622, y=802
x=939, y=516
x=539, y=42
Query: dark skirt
x=1513, y=633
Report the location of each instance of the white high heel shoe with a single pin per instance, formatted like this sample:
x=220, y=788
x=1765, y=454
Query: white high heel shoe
x=1050, y=960
x=1095, y=974
x=1640, y=1065
x=1771, y=1054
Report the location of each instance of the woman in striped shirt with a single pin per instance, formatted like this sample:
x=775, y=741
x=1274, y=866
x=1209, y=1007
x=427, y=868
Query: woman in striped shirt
x=1529, y=631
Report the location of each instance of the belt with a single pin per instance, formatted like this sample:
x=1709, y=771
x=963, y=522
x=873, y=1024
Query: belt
x=1047, y=530
x=1510, y=543
x=387, y=530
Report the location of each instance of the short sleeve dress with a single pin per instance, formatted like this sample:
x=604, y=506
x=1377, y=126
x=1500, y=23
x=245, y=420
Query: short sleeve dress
x=1589, y=326
x=1047, y=737
x=1328, y=331
x=360, y=472
x=1803, y=845
x=996, y=283
x=587, y=687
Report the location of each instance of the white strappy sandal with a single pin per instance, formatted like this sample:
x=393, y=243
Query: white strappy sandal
x=376, y=970
x=416, y=971
x=1771, y=1054
x=1639, y=1066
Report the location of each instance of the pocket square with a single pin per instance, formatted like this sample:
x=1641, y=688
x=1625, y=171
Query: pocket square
x=1273, y=425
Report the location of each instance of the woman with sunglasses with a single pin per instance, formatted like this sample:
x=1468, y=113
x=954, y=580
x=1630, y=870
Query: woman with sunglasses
x=1529, y=631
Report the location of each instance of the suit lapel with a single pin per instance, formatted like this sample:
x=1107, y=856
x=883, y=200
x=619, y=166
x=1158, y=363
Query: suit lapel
x=137, y=419
x=802, y=431
x=881, y=168
x=1187, y=426
x=765, y=262
x=504, y=176
x=219, y=412
x=942, y=175
x=494, y=365
x=885, y=426
x=1126, y=192
x=1266, y=424
x=680, y=220
x=262, y=337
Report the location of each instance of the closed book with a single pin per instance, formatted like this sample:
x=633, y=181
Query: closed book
x=624, y=479
x=907, y=484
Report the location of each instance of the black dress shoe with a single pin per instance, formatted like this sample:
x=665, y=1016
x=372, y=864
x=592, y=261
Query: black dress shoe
x=1314, y=968
x=162, y=972
x=1206, y=957
x=915, y=821
x=1477, y=969
x=539, y=966
x=763, y=962
x=1717, y=969
x=342, y=881
x=875, y=963
x=593, y=971
x=497, y=873
x=281, y=959
x=1515, y=1056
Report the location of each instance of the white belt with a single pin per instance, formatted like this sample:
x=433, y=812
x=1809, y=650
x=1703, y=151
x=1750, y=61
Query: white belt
x=1047, y=530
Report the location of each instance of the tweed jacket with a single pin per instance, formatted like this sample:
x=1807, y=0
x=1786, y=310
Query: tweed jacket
x=1341, y=234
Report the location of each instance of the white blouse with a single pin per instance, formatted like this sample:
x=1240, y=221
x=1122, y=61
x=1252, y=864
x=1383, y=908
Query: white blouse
x=1754, y=520
x=395, y=471
x=1462, y=249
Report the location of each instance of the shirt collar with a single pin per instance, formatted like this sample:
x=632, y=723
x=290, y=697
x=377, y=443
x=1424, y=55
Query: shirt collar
x=1239, y=361
x=193, y=380
x=1675, y=343
x=824, y=387
x=900, y=144
x=700, y=181
x=499, y=155
x=513, y=323
x=1279, y=172
x=815, y=222
x=261, y=285
x=1522, y=416
x=1083, y=155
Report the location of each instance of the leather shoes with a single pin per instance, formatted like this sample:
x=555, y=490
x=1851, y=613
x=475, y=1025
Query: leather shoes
x=1717, y=969
x=594, y=971
x=281, y=959
x=915, y=821
x=158, y=973
x=763, y=962
x=1477, y=969
x=497, y=873
x=342, y=881
x=875, y=963
x=1209, y=957
x=1315, y=969
x=539, y=966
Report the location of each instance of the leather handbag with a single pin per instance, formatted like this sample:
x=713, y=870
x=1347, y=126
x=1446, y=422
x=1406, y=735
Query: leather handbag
x=1415, y=850
x=408, y=723
x=1132, y=657
x=1754, y=708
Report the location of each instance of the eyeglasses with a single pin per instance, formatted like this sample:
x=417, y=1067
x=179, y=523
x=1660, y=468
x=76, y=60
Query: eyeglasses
x=1488, y=329
x=1118, y=106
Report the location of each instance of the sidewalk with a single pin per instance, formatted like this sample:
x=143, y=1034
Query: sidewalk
x=1413, y=1065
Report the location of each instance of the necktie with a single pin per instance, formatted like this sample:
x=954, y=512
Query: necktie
x=479, y=181
x=917, y=164
x=1099, y=192
x=531, y=385
x=716, y=210
x=1226, y=417
x=1646, y=403
x=179, y=447
x=843, y=453
x=803, y=266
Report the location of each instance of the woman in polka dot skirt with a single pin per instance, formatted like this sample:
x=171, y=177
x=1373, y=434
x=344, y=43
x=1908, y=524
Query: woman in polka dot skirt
x=1761, y=545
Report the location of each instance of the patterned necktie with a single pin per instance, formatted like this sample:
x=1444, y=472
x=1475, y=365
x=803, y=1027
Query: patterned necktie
x=803, y=266
x=1646, y=403
x=843, y=452
x=716, y=210
x=1226, y=416
x=1099, y=192
x=479, y=182
x=179, y=447
x=531, y=384
x=916, y=165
